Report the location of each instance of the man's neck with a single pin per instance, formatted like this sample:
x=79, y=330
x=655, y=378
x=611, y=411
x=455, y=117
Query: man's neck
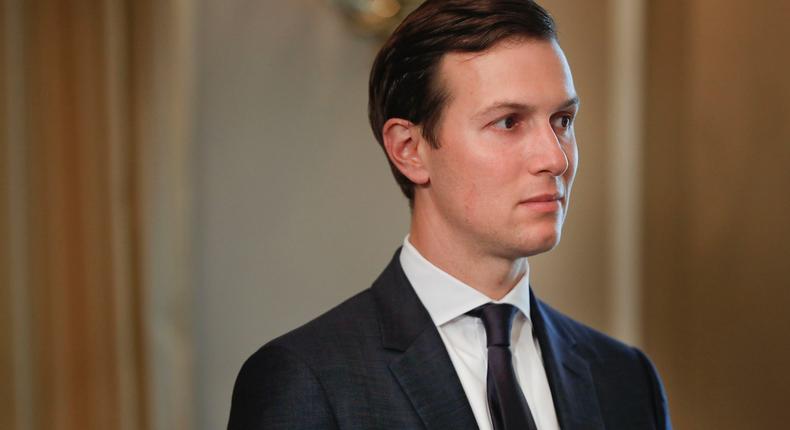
x=491, y=275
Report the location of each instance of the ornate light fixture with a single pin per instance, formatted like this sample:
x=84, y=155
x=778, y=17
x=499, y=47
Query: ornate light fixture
x=376, y=18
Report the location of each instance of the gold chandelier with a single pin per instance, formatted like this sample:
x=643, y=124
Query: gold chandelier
x=376, y=18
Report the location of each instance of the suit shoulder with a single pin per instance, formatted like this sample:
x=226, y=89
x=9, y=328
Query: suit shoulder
x=283, y=384
x=599, y=348
x=276, y=390
x=624, y=368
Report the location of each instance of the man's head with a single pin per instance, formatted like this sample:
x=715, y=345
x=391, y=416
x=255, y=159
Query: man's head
x=404, y=81
x=473, y=102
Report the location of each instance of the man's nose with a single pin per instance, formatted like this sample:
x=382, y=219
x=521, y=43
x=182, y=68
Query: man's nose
x=546, y=152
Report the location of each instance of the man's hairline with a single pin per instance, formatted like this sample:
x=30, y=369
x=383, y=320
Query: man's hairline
x=441, y=88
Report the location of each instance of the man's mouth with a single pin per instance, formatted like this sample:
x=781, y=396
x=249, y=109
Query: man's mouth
x=544, y=202
x=545, y=197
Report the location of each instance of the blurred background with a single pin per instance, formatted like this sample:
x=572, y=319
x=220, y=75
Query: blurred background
x=183, y=180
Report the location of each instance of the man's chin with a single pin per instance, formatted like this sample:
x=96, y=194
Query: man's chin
x=538, y=245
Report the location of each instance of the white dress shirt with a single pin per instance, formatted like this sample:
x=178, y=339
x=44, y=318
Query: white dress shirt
x=447, y=300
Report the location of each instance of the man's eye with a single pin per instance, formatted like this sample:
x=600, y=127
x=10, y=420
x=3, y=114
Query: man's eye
x=566, y=121
x=506, y=123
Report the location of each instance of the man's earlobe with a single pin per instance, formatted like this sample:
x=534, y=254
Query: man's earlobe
x=402, y=141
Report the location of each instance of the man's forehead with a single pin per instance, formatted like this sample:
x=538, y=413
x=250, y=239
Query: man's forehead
x=505, y=44
x=527, y=65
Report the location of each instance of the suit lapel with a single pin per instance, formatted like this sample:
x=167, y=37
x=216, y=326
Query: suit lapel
x=423, y=369
x=572, y=385
x=428, y=378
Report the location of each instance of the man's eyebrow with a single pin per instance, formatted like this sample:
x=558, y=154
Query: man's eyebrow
x=573, y=101
x=511, y=105
x=504, y=105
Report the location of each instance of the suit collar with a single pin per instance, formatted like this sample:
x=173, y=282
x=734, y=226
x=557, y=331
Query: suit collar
x=423, y=369
x=572, y=384
x=402, y=317
x=427, y=375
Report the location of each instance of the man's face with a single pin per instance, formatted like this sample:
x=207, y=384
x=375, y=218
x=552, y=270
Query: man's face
x=501, y=180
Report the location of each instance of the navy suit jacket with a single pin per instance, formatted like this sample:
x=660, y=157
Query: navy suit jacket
x=377, y=361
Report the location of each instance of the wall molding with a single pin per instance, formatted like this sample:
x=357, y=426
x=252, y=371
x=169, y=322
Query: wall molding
x=625, y=188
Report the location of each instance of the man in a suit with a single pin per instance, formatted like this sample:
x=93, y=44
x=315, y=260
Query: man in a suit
x=473, y=103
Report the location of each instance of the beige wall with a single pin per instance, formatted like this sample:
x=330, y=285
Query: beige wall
x=295, y=208
x=717, y=209
x=573, y=277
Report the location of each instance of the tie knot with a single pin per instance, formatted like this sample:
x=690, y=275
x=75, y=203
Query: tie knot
x=497, y=320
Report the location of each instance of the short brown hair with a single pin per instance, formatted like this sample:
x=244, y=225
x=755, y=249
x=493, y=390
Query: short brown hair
x=403, y=81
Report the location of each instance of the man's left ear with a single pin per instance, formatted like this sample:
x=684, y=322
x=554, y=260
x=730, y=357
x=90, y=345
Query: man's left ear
x=402, y=142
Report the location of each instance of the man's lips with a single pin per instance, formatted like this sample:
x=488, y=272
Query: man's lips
x=546, y=197
x=546, y=202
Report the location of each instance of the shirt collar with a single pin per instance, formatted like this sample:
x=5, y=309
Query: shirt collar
x=446, y=297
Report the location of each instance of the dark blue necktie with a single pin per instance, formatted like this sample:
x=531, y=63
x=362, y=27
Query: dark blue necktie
x=506, y=402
